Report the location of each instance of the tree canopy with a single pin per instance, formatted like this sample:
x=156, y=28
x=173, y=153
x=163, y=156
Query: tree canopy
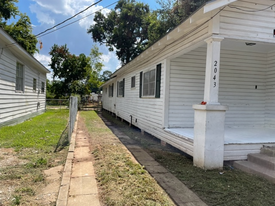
x=8, y=9
x=124, y=29
x=74, y=74
x=131, y=27
x=21, y=31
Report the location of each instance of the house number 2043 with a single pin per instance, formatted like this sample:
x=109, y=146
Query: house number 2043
x=215, y=72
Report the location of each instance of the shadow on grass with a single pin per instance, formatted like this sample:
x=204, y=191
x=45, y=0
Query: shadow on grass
x=225, y=188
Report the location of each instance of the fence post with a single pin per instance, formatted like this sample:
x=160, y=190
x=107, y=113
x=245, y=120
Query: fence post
x=73, y=105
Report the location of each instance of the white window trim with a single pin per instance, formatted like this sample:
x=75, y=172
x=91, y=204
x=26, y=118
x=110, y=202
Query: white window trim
x=149, y=96
x=135, y=82
x=42, y=92
x=34, y=89
x=23, y=78
x=119, y=95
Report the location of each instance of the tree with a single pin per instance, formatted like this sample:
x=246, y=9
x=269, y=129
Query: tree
x=173, y=12
x=71, y=70
x=8, y=9
x=106, y=75
x=93, y=80
x=21, y=31
x=125, y=29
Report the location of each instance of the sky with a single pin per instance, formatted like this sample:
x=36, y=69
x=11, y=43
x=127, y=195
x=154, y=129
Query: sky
x=45, y=14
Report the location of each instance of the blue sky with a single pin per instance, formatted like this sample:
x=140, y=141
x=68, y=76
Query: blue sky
x=47, y=13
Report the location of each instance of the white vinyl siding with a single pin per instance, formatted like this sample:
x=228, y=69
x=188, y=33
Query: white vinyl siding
x=18, y=104
x=270, y=91
x=242, y=87
x=186, y=87
x=259, y=25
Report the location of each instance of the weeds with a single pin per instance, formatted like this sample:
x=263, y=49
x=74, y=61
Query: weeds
x=121, y=180
x=34, y=140
x=226, y=188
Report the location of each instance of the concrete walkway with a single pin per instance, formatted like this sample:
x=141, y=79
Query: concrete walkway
x=177, y=191
x=78, y=186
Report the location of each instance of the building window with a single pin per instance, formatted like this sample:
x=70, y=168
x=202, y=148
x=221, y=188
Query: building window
x=120, y=88
x=133, y=81
x=42, y=87
x=111, y=90
x=19, y=77
x=34, y=84
x=149, y=83
x=149, y=80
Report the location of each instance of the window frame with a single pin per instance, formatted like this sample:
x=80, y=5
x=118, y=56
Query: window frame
x=34, y=84
x=157, y=83
x=149, y=82
x=111, y=90
x=19, y=80
x=121, y=88
x=42, y=87
x=133, y=82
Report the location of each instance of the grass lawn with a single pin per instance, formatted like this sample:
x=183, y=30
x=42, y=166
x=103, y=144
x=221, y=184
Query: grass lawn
x=121, y=180
x=32, y=143
x=224, y=188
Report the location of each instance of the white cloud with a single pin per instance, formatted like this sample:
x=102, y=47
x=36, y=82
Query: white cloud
x=43, y=17
x=46, y=9
x=43, y=59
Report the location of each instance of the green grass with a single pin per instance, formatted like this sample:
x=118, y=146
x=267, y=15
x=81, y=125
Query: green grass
x=39, y=132
x=122, y=181
x=33, y=140
x=224, y=188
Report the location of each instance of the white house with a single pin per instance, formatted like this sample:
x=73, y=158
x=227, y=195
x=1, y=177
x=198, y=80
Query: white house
x=22, y=82
x=208, y=86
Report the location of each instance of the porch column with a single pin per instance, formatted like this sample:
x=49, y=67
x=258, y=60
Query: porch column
x=209, y=117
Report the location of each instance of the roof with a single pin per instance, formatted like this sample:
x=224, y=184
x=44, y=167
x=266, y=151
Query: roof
x=16, y=49
x=203, y=11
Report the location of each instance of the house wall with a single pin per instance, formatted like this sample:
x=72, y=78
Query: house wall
x=186, y=87
x=15, y=106
x=258, y=25
x=242, y=87
x=147, y=113
x=270, y=91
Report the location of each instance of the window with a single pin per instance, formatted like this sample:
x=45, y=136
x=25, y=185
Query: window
x=111, y=90
x=19, y=77
x=34, y=84
x=120, y=88
x=133, y=82
x=149, y=83
x=42, y=87
x=149, y=80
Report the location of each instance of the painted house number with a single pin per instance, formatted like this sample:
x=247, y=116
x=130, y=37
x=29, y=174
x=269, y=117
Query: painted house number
x=215, y=71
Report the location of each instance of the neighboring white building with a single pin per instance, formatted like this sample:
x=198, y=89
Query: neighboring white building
x=22, y=82
x=208, y=86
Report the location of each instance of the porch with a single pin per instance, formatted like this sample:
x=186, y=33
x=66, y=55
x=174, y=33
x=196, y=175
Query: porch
x=238, y=142
x=243, y=81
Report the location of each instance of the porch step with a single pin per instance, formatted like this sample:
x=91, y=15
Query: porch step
x=268, y=150
x=262, y=160
x=256, y=169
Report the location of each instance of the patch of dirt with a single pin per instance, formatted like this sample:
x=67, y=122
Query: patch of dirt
x=8, y=158
x=47, y=195
x=31, y=193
